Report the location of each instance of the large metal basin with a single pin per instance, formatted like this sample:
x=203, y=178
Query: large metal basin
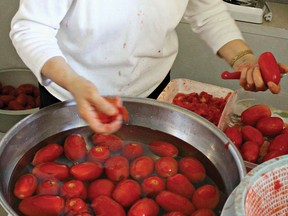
x=194, y=132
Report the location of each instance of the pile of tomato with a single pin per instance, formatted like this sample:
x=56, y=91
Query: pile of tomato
x=203, y=104
x=259, y=135
x=22, y=97
x=114, y=177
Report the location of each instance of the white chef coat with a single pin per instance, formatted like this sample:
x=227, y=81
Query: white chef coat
x=125, y=47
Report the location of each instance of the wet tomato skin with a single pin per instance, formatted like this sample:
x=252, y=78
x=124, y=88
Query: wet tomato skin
x=44, y=205
x=48, y=187
x=75, y=206
x=117, y=168
x=75, y=147
x=25, y=186
x=47, y=153
x=144, y=206
x=106, y=206
x=47, y=170
x=163, y=149
x=87, y=171
x=73, y=189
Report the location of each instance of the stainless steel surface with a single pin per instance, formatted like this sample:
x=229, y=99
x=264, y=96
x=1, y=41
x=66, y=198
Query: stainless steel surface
x=148, y=113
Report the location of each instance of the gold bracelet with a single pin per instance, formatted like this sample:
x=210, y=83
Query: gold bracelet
x=240, y=55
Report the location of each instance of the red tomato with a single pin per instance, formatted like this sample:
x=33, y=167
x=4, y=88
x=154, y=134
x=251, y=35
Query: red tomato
x=166, y=166
x=121, y=110
x=106, y=206
x=170, y=201
x=144, y=206
x=203, y=212
x=180, y=184
x=250, y=151
x=48, y=170
x=192, y=168
x=175, y=213
x=251, y=115
x=87, y=171
x=272, y=154
x=270, y=126
x=100, y=187
x=235, y=135
x=141, y=167
x=73, y=189
x=117, y=168
x=48, y=187
x=75, y=147
x=163, y=149
x=132, y=150
x=111, y=141
x=25, y=186
x=98, y=153
x=206, y=196
x=152, y=185
x=250, y=133
x=279, y=143
x=127, y=192
x=75, y=206
x=44, y=205
x=47, y=153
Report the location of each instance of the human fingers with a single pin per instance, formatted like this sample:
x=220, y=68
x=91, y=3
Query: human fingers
x=258, y=81
x=246, y=79
x=283, y=68
x=273, y=87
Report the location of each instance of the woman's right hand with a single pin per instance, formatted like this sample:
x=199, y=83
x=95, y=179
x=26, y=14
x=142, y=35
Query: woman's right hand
x=90, y=104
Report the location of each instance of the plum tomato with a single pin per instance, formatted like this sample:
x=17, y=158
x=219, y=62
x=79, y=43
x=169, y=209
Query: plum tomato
x=175, y=213
x=100, y=187
x=166, y=166
x=73, y=189
x=235, y=135
x=152, y=185
x=48, y=187
x=111, y=141
x=192, y=168
x=250, y=133
x=75, y=147
x=250, y=151
x=144, y=206
x=98, y=153
x=44, y=205
x=252, y=114
x=270, y=126
x=203, y=212
x=132, y=150
x=180, y=184
x=25, y=186
x=106, y=206
x=49, y=170
x=163, y=149
x=141, y=167
x=127, y=192
x=75, y=206
x=47, y=153
x=87, y=171
x=117, y=168
x=206, y=196
x=279, y=143
x=272, y=154
x=170, y=201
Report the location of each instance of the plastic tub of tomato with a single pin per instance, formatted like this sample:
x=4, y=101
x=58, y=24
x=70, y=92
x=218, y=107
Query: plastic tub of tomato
x=204, y=99
x=19, y=96
x=163, y=160
x=256, y=122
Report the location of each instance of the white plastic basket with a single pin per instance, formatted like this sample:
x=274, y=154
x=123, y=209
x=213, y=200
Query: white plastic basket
x=263, y=191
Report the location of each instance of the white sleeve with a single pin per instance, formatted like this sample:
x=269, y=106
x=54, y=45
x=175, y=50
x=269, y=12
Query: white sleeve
x=213, y=22
x=33, y=32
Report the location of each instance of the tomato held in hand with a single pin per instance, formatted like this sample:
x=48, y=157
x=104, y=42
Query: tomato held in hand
x=25, y=186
